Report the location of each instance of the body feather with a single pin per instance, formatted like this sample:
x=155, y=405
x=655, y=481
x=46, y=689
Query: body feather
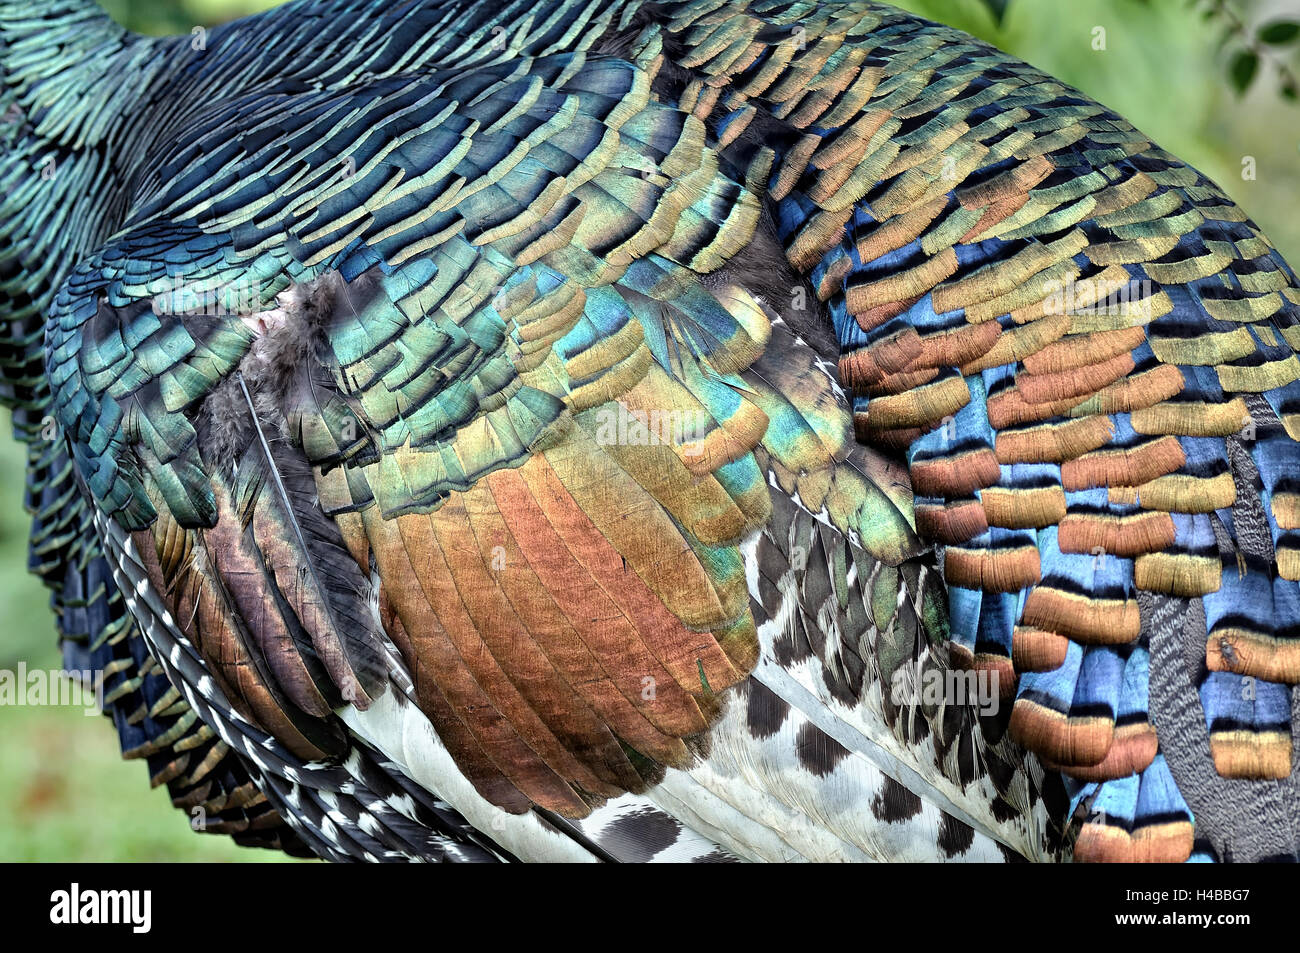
x=681, y=432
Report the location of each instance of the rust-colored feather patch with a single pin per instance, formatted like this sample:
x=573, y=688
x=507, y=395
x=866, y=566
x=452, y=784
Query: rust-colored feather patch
x=1060, y=738
x=1023, y=508
x=1129, y=466
x=1165, y=843
x=957, y=475
x=1083, y=618
x=1131, y=751
x=1124, y=536
x=993, y=570
x=1037, y=650
x=952, y=522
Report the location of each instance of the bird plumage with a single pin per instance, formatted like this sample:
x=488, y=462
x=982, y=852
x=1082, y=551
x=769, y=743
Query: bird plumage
x=633, y=431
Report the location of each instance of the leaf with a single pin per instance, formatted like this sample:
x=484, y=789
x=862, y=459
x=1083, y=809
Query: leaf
x=1242, y=70
x=1279, y=32
x=998, y=8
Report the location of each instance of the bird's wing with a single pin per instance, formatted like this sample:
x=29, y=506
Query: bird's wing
x=500, y=440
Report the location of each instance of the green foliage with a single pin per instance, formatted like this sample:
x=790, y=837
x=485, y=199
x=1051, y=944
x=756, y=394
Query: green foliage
x=1248, y=46
x=998, y=8
x=163, y=17
x=67, y=795
x=1279, y=32
x=1242, y=69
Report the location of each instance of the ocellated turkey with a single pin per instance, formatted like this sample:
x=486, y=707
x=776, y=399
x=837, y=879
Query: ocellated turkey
x=590, y=429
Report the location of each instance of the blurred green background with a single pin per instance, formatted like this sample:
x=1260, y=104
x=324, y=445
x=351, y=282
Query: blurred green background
x=64, y=792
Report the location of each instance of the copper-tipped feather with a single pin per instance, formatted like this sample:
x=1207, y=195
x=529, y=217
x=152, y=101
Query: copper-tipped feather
x=1125, y=467
x=1037, y=650
x=1060, y=738
x=1251, y=755
x=955, y=476
x=1168, y=843
x=993, y=570
x=1124, y=536
x=1083, y=618
x=1246, y=652
x=1131, y=751
x=952, y=522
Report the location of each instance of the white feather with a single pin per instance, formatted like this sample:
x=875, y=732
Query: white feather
x=401, y=731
